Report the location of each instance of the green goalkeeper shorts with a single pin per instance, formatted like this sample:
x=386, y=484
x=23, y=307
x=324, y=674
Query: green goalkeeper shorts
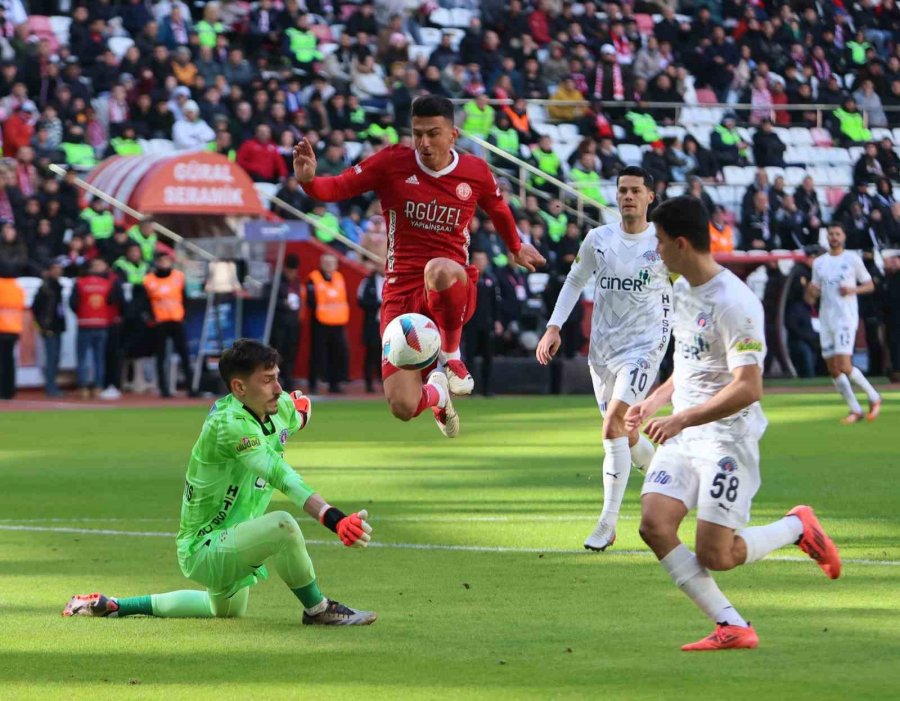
x=219, y=566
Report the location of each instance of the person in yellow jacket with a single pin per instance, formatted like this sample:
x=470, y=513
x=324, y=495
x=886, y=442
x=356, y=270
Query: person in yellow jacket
x=326, y=295
x=166, y=292
x=12, y=319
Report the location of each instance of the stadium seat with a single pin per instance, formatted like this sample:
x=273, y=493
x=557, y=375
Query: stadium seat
x=801, y=136
x=569, y=132
x=418, y=50
x=322, y=32
x=794, y=176
x=119, y=45
x=821, y=137
x=701, y=132
x=896, y=136
x=430, y=36
x=60, y=26
x=353, y=149
x=336, y=31
x=40, y=26
x=841, y=176
x=645, y=23
x=157, y=147
x=833, y=196
x=442, y=17
x=536, y=114
x=738, y=176
x=673, y=131
x=462, y=17
x=675, y=190
x=774, y=172
x=631, y=154
x=879, y=133
x=330, y=47
x=705, y=96
x=619, y=132
x=547, y=129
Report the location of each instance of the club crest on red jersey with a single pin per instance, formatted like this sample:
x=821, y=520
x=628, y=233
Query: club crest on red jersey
x=464, y=191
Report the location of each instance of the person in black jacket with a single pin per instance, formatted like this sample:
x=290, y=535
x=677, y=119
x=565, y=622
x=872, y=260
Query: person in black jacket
x=768, y=150
x=285, y=336
x=369, y=298
x=803, y=340
x=50, y=316
x=479, y=333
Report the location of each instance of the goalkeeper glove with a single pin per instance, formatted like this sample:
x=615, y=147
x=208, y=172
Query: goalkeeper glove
x=303, y=405
x=353, y=530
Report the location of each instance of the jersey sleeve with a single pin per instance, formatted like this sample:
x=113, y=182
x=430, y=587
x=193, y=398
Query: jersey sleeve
x=743, y=334
x=859, y=271
x=584, y=266
x=363, y=177
x=816, y=273
x=492, y=202
x=243, y=442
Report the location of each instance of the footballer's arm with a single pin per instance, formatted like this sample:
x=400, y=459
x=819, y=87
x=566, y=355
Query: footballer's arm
x=745, y=388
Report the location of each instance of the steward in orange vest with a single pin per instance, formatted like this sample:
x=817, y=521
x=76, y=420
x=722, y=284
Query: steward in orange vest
x=327, y=298
x=12, y=309
x=721, y=233
x=166, y=292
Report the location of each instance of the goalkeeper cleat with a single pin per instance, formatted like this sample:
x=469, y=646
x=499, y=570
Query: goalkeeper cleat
x=726, y=637
x=458, y=377
x=874, y=410
x=816, y=543
x=852, y=418
x=601, y=537
x=91, y=605
x=446, y=417
x=336, y=614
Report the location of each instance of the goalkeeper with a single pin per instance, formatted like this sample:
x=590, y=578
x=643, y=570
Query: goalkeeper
x=224, y=538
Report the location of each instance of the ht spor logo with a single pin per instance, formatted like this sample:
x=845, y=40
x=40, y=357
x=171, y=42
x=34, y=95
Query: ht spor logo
x=432, y=216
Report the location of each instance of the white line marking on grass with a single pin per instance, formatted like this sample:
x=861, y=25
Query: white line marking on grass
x=407, y=546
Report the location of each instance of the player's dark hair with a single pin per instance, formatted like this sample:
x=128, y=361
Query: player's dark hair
x=684, y=217
x=835, y=224
x=244, y=358
x=432, y=106
x=638, y=172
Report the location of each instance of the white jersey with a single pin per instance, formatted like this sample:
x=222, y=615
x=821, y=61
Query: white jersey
x=831, y=273
x=718, y=327
x=632, y=296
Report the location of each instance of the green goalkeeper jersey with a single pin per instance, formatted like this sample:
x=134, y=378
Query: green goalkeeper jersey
x=235, y=465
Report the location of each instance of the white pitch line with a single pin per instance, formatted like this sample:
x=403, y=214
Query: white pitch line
x=413, y=546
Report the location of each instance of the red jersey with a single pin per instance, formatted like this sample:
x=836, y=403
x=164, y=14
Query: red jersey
x=427, y=212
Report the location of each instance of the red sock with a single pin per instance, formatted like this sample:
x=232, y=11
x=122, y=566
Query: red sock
x=448, y=307
x=430, y=397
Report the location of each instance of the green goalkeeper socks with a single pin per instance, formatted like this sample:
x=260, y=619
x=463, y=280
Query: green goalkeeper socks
x=135, y=606
x=309, y=596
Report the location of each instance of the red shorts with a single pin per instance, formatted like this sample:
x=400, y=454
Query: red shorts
x=406, y=294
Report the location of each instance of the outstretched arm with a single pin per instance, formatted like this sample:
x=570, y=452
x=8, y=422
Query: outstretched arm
x=351, y=183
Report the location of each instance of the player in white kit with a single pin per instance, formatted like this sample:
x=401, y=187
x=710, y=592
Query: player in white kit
x=837, y=278
x=629, y=333
x=709, y=454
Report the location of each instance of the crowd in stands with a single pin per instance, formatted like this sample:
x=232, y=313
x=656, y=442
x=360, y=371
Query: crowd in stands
x=623, y=81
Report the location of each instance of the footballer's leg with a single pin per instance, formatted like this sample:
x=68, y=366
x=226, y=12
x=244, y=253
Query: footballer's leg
x=670, y=491
x=839, y=367
x=408, y=397
x=450, y=302
x=855, y=375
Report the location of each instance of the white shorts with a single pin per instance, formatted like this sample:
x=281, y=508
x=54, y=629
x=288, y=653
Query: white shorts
x=837, y=340
x=630, y=384
x=718, y=477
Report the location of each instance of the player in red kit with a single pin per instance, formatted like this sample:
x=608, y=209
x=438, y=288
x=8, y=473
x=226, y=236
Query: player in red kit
x=428, y=196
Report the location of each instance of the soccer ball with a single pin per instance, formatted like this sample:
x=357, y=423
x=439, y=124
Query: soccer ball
x=411, y=342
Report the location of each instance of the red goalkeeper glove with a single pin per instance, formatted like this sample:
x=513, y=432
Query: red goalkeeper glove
x=303, y=405
x=353, y=530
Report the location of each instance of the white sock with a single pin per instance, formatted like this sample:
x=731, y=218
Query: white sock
x=616, y=468
x=642, y=452
x=857, y=378
x=842, y=382
x=318, y=608
x=695, y=581
x=761, y=540
x=442, y=394
x=444, y=356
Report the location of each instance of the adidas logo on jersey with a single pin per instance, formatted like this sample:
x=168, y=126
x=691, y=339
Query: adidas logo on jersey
x=412, y=180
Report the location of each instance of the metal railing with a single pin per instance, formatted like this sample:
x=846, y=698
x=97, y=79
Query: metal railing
x=567, y=192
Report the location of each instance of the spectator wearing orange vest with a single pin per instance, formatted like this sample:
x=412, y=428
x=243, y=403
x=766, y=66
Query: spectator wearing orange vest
x=166, y=292
x=326, y=293
x=12, y=307
x=96, y=300
x=721, y=234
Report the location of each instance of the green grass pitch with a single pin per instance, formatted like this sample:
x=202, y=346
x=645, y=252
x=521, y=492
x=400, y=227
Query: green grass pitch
x=479, y=579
